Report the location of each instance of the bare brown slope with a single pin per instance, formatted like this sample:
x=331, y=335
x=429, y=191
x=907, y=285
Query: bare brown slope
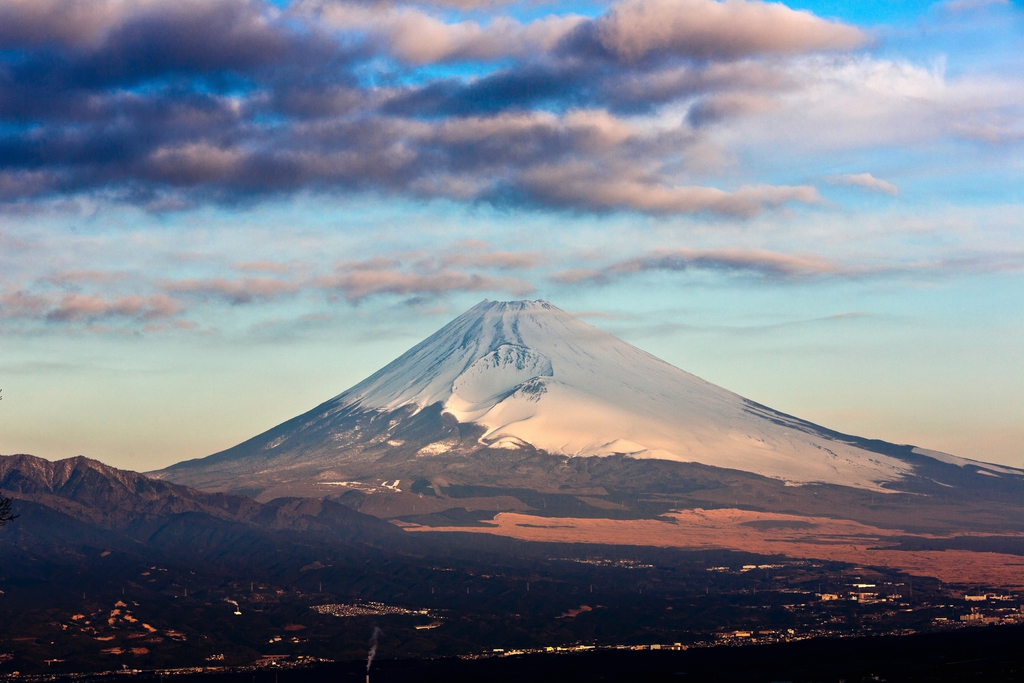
x=764, y=533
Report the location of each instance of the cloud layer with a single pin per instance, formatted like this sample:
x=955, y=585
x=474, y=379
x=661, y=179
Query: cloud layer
x=174, y=103
x=116, y=298
x=645, y=107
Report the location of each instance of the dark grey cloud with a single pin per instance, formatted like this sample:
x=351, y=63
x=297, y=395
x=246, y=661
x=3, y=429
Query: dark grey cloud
x=715, y=108
x=172, y=103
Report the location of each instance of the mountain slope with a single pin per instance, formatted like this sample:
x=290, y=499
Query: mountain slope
x=530, y=373
x=140, y=508
x=523, y=377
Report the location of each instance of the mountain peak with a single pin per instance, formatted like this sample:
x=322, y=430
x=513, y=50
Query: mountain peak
x=527, y=375
x=515, y=305
x=504, y=312
x=494, y=346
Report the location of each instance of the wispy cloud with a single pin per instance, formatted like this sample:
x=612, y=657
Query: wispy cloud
x=87, y=297
x=264, y=266
x=971, y=5
x=499, y=260
x=674, y=329
x=241, y=291
x=788, y=267
x=361, y=284
x=763, y=264
x=866, y=181
x=74, y=307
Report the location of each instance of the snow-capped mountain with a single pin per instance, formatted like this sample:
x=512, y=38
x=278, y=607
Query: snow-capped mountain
x=526, y=376
x=531, y=373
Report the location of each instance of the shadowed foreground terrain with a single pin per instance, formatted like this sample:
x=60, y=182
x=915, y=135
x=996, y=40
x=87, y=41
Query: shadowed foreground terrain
x=109, y=570
x=989, y=655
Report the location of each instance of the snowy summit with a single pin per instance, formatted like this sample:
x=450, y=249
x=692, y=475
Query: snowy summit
x=531, y=373
x=523, y=378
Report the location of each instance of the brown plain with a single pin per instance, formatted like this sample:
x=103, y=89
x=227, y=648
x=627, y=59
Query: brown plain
x=765, y=533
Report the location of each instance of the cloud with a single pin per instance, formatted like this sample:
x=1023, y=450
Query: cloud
x=91, y=276
x=978, y=262
x=264, y=266
x=171, y=105
x=183, y=36
x=153, y=300
x=22, y=304
x=571, y=187
x=630, y=31
x=764, y=264
x=500, y=260
x=417, y=37
x=117, y=302
x=79, y=307
x=360, y=283
x=971, y=5
x=867, y=181
x=711, y=29
x=991, y=132
x=419, y=275
x=715, y=108
x=836, y=104
x=786, y=267
x=243, y=291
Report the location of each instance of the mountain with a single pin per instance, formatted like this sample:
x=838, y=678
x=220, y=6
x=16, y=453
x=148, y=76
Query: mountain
x=515, y=395
x=131, y=506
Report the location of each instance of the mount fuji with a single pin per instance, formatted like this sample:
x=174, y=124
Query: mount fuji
x=509, y=386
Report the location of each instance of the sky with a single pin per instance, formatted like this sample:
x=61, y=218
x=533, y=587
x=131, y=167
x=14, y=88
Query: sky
x=216, y=214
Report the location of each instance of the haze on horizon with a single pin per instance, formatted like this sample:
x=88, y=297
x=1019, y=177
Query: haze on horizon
x=215, y=214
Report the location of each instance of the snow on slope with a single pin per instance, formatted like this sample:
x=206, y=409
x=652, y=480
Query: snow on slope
x=529, y=372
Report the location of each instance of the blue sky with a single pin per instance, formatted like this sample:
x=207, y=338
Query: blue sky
x=214, y=215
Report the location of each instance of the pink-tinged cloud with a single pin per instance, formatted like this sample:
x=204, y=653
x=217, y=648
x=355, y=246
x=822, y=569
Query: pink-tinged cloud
x=498, y=260
x=183, y=325
x=375, y=263
x=360, y=284
x=22, y=304
x=570, y=187
x=765, y=264
x=635, y=29
x=866, y=181
x=74, y=277
x=242, y=291
x=419, y=37
x=193, y=162
x=275, y=267
x=79, y=307
x=629, y=31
